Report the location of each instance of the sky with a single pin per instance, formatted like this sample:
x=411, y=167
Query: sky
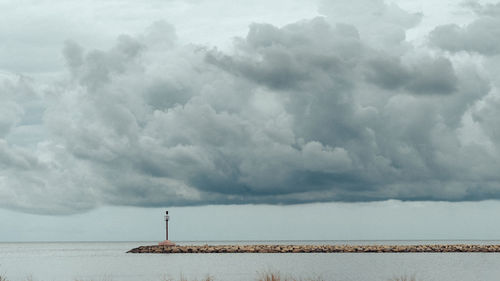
x=359, y=119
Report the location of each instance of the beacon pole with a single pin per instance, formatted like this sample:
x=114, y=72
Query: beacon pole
x=167, y=217
x=166, y=242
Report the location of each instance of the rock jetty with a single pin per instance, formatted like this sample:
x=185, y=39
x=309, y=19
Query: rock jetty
x=443, y=248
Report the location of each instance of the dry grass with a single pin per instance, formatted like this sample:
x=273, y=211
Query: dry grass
x=266, y=276
x=276, y=276
x=183, y=278
x=271, y=277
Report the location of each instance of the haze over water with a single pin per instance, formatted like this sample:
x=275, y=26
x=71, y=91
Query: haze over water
x=66, y=261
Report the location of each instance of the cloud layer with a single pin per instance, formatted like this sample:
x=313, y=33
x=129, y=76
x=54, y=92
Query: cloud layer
x=323, y=109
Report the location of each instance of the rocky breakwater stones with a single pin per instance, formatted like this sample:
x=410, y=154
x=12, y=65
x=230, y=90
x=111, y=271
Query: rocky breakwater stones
x=163, y=249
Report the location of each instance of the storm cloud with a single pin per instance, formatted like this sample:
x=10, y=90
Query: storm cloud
x=322, y=109
x=480, y=36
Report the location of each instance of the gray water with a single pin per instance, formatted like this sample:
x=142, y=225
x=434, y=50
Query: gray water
x=107, y=261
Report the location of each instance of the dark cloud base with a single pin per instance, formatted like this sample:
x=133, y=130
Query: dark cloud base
x=319, y=110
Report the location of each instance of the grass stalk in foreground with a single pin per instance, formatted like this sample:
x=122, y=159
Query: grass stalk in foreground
x=276, y=276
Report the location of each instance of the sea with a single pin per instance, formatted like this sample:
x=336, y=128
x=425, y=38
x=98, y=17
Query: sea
x=108, y=261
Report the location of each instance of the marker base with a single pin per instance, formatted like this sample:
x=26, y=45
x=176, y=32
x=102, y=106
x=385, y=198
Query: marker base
x=166, y=243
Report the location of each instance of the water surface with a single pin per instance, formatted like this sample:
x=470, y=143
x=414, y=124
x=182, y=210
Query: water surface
x=107, y=261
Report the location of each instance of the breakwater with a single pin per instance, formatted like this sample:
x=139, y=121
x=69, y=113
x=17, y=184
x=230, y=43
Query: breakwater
x=443, y=248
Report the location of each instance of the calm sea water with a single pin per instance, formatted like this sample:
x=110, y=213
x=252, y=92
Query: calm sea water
x=107, y=261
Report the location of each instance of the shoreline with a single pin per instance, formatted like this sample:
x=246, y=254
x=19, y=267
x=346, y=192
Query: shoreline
x=208, y=249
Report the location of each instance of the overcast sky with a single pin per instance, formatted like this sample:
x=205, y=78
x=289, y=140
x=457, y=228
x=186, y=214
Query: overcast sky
x=363, y=119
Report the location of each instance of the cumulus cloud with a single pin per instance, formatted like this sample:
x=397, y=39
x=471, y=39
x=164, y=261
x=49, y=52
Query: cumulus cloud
x=480, y=36
x=488, y=9
x=322, y=109
x=430, y=76
x=379, y=23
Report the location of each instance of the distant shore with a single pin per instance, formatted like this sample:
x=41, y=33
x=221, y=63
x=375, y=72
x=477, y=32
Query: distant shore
x=206, y=249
